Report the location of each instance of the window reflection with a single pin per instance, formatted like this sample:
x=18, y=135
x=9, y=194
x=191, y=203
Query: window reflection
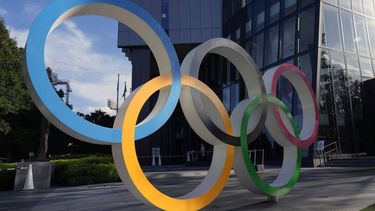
x=272, y=44
x=305, y=65
x=354, y=79
x=331, y=28
x=288, y=39
x=274, y=11
x=257, y=49
x=361, y=38
x=348, y=30
x=345, y=3
x=366, y=69
x=331, y=1
x=369, y=7
x=326, y=109
x=226, y=97
x=341, y=100
x=357, y=6
x=259, y=15
x=290, y=6
x=371, y=32
x=307, y=33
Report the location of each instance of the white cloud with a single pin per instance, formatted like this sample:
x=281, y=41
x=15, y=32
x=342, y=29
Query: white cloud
x=32, y=8
x=104, y=108
x=3, y=12
x=20, y=35
x=93, y=75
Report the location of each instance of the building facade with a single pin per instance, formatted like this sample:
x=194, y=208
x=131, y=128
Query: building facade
x=188, y=23
x=331, y=41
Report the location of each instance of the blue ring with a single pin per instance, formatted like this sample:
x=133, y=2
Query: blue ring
x=46, y=97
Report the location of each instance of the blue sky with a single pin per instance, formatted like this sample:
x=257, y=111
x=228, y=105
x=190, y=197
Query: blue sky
x=82, y=50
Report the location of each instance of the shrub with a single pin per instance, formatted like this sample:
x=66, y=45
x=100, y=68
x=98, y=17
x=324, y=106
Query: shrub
x=7, y=177
x=84, y=171
x=71, y=172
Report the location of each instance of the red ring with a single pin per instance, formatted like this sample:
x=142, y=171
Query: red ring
x=276, y=77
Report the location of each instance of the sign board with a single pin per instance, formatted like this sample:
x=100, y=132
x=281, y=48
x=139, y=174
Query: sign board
x=320, y=145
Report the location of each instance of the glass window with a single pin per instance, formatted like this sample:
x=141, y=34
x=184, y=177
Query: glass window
x=371, y=32
x=248, y=26
x=238, y=34
x=257, y=49
x=354, y=79
x=307, y=31
x=331, y=27
x=304, y=64
x=357, y=6
x=354, y=75
x=290, y=6
x=360, y=27
x=369, y=7
x=348, y=29
x=331, y=1
x=248, y=47
x=259, y=15
x=237, y=5
x=229, y=71
x=272, y=45
x=305, y=3
x=234, y=95
x=226, y=97
x=288, y=39
x=346, y=3
x=244, y=2
x=285, y=92
x=366, y=69
x=341, y=98
x=274, y=11
x=165, y=14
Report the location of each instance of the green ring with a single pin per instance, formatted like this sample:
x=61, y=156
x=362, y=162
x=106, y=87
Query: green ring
x=259, y=182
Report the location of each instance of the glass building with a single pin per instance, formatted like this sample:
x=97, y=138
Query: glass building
x=331, y=41
x=346, y=52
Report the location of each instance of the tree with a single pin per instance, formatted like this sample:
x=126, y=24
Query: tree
x=13, y=94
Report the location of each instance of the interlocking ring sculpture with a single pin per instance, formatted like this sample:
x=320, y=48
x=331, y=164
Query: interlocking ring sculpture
x=203, y=110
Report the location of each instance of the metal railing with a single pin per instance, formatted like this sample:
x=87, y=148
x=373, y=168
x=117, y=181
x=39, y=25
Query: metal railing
x=326, y=153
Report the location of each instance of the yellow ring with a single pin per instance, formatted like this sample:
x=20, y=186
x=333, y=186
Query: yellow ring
x=138, y=178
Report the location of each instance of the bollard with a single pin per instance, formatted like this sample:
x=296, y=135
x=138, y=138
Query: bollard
x=153, y=160
x=159, y=163
x=29, y=181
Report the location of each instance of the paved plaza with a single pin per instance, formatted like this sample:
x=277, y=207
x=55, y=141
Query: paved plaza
x=317, y=189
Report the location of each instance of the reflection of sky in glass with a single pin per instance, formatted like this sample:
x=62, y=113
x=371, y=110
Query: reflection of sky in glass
x=353, y=68
x=366, y=69
x=331, y=28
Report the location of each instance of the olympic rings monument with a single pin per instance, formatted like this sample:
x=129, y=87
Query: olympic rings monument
x=229, y=135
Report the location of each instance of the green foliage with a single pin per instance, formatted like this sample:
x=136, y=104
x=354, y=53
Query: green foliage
x=370, y=208
x=7, y=177
x=84, y=171
x=13, y=94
